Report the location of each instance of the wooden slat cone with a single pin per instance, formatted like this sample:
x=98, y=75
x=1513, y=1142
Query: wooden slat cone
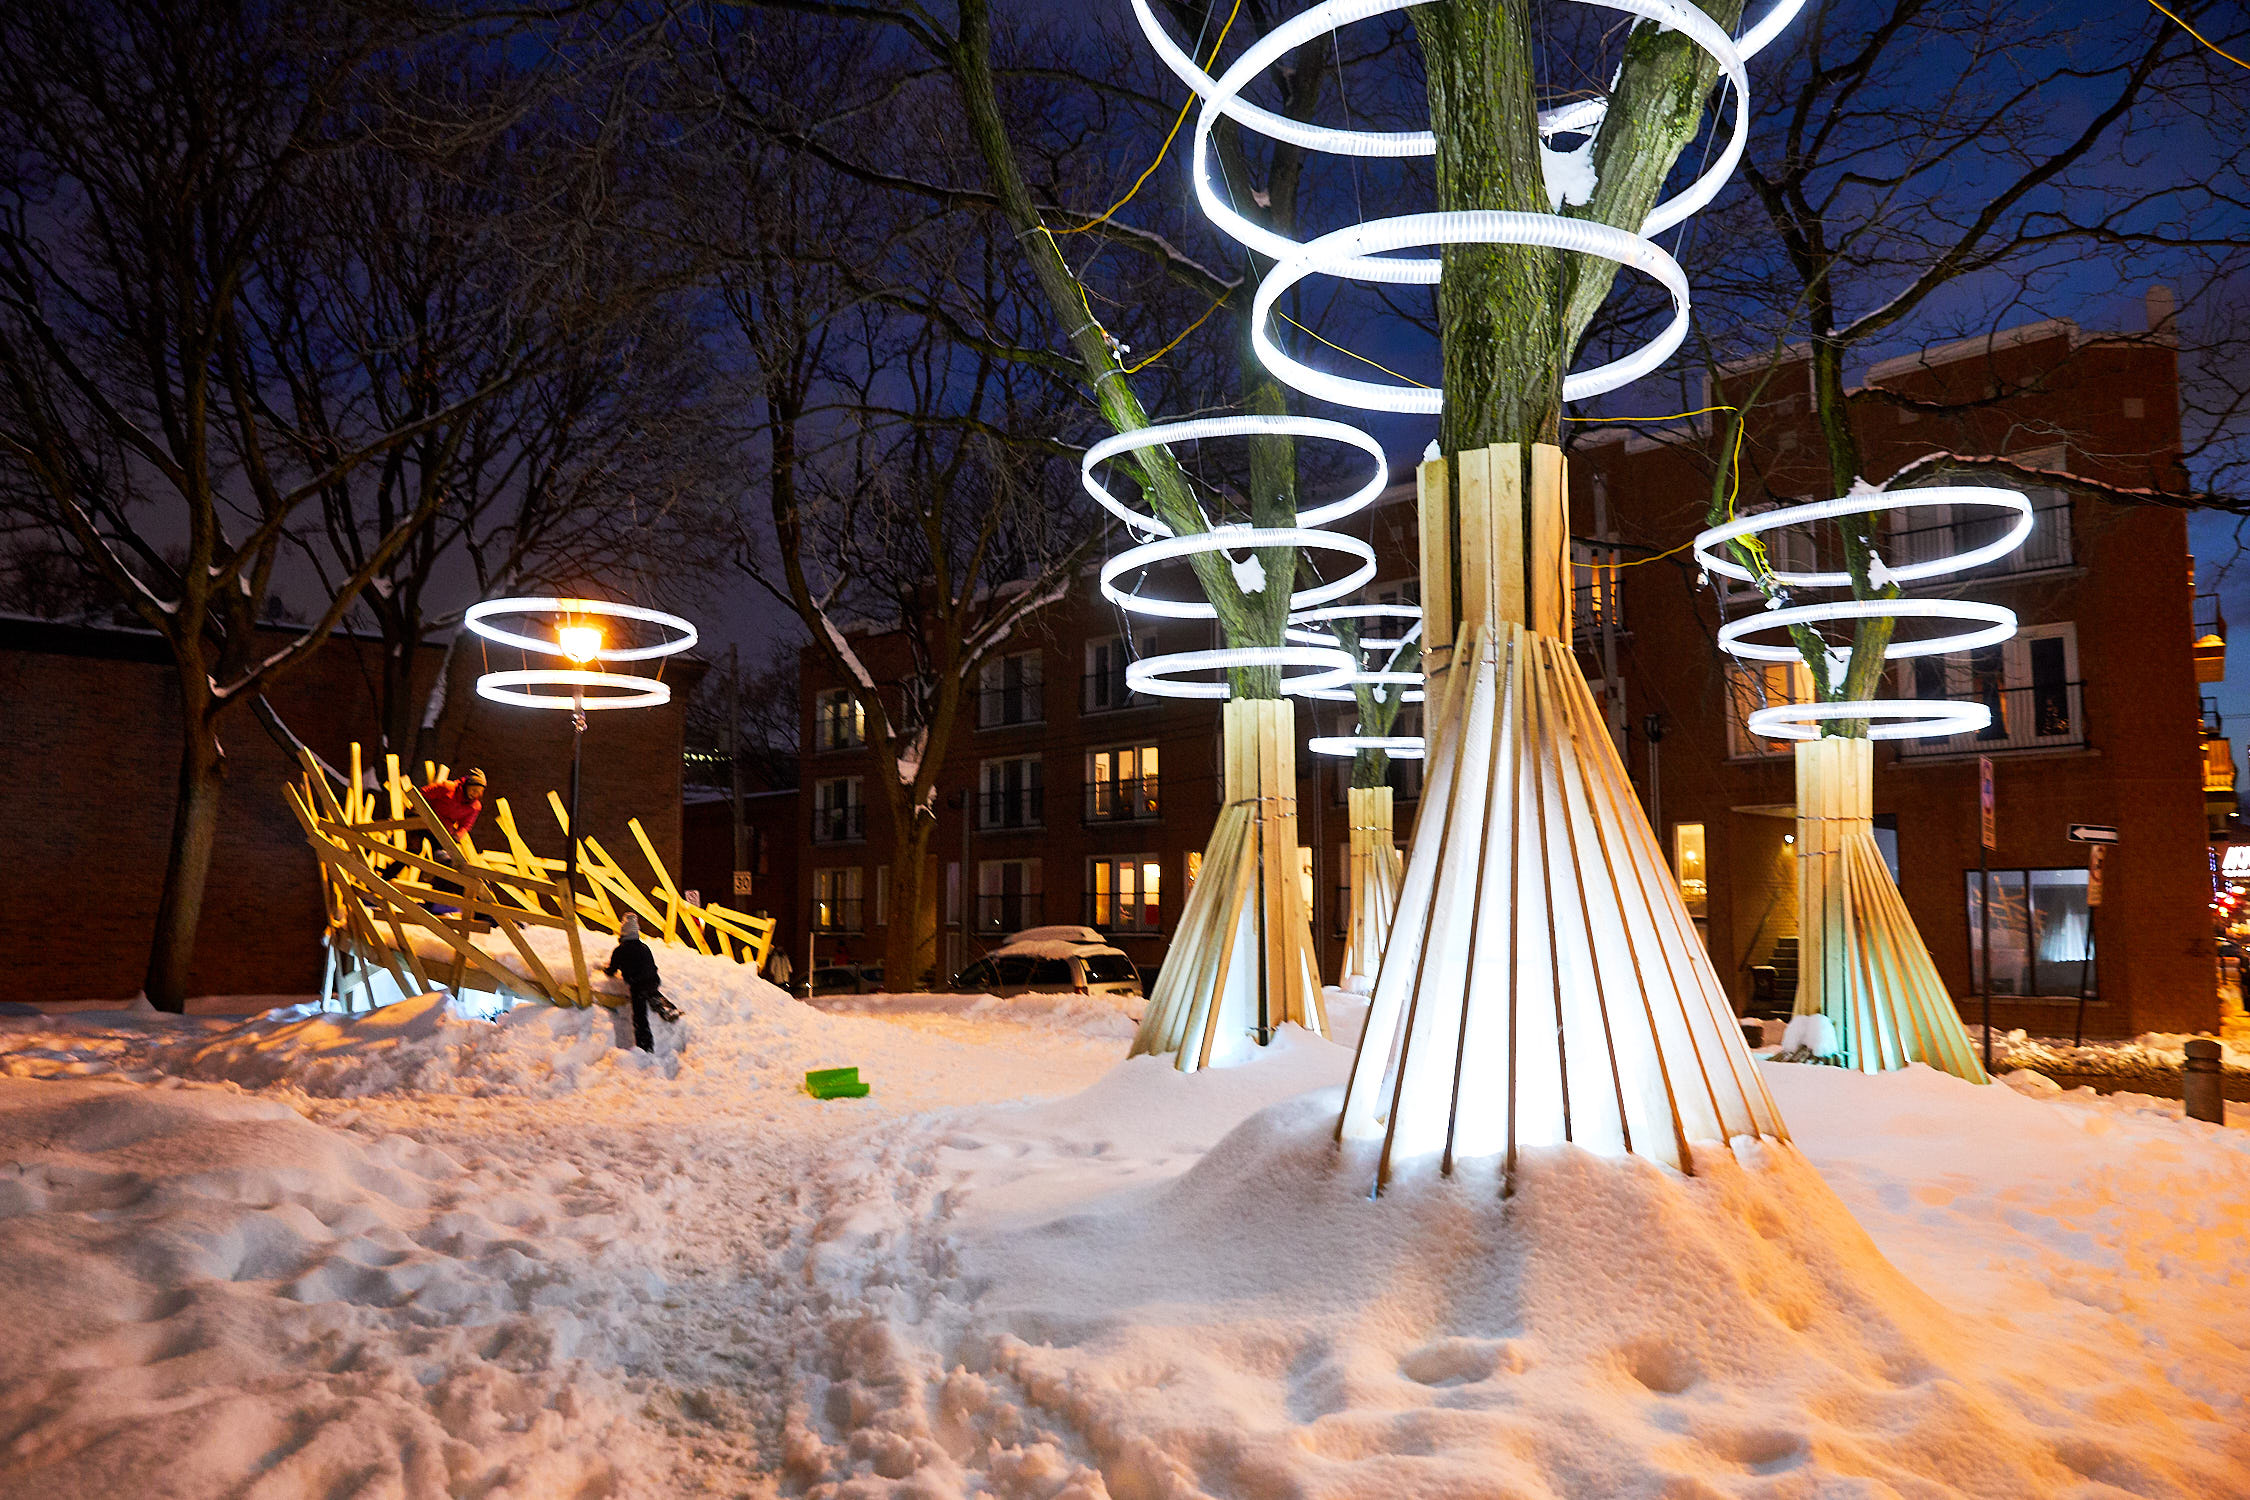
x=1542, y=982
x=1862, y=963
x=1242, y=962
x=1372, y=889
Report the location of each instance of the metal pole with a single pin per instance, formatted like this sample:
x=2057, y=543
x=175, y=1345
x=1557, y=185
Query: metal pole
x=577, y=742
x=968, y=902
x=1984, y=918
x=1653, y=728
x=734, y=757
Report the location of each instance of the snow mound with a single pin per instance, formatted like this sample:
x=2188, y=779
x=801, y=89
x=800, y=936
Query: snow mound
x=1060, y=1321
x=1114, y=1017
x=225, y=1290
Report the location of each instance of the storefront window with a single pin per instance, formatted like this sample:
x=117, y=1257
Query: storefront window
x=2042, y=932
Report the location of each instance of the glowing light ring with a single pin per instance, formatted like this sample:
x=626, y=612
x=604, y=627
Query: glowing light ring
x=1708, y=543
x=1233, y=539
x=2000, y=623
x=1344, y=252
x=1222, y=96
x=1397, y=747
x=1925, y=718
x=1301, y=620
x=1154, y=675
x=1346, y=695
x=479, y=614
x=1245, y=426
x=507, y=687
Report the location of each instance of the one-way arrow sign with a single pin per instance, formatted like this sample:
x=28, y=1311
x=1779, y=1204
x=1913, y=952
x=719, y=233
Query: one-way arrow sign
x=2092, y=833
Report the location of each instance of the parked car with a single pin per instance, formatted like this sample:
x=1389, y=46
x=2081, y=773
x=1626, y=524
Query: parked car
x=848, y=979
x=1059, y=960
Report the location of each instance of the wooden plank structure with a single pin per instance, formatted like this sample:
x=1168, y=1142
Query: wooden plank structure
x=1242, y=962
x=1372, y=876
x=1862, y=962
x=406, y=899
x=1542, y=982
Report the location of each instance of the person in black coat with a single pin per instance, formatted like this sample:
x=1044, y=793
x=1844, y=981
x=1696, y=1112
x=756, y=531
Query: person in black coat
x=637, y=966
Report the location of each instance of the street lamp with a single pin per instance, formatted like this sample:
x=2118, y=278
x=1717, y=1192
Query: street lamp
x=580, y=642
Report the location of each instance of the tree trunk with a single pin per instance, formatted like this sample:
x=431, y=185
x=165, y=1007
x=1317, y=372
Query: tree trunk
x=195, y=825
x=1861, y=963
x=1499, y=306
x=910, y=929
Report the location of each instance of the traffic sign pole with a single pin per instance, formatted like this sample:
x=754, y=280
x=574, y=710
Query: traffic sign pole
x=1985, y=840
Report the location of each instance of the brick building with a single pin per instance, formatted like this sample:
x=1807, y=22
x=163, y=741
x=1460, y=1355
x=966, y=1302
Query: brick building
x=1084, y=801
x=88, y=762
x=2097, y=707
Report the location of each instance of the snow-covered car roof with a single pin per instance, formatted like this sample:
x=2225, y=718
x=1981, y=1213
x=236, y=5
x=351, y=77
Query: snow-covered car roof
x=1057, y=942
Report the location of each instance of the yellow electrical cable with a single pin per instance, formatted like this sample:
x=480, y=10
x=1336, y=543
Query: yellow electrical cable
x=1170, y=135
x=1749, y=544
x=1135, y=369
x=2199, y=36
x=1363, y=359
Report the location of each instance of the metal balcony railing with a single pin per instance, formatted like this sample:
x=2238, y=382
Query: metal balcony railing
x=2047, y=716
x=1015, y=703
x=1105, y=692
x=1109, y=913
x=1131, y=800
x=1012, y=912
x=1021, y=807
x=2050, y=544
x=840, y=823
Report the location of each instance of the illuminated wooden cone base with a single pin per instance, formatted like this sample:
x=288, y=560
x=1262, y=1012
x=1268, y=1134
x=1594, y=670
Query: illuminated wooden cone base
x=1242, y=961
x=1861, y=962
x=1372, y=894
x=1542, y=983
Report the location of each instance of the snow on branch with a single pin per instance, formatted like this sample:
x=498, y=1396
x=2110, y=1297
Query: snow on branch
x=1993, y=463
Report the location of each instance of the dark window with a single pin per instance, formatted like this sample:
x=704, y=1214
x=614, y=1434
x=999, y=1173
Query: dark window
x=1052, y=971
x=976, y=976
x=1107, y=968
x=1015, y=968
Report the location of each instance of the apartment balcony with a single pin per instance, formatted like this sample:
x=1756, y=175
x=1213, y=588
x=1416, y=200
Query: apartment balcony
x=2047, y=716
x=844, y=824
x=1004, y=811
x=2210, y=639
x=1132, y=800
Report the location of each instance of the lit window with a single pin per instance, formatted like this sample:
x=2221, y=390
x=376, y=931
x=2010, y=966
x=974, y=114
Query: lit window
x=1121, y=784
x=1689, y=864
x=1126, y=894
x=839, y=723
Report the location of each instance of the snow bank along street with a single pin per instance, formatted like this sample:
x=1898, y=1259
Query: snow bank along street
x=413, y=1254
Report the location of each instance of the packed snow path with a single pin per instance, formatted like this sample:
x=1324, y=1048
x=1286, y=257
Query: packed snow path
x=425, y=1257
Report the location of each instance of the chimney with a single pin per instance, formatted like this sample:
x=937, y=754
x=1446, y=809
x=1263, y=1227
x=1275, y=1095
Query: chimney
x=2163, y=311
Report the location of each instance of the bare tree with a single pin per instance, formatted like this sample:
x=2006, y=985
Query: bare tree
x=152, y=155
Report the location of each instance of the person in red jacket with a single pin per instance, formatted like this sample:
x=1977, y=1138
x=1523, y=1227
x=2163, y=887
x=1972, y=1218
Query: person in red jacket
x=457, y=802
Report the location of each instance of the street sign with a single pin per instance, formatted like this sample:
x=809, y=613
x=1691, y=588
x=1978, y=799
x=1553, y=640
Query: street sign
x=742, y=882
x=2092, y=833
x=2094, y=874
x=1984, y=802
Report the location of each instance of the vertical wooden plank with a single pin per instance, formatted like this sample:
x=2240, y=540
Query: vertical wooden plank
x=1509, y=598
x=1474, y=523
x=1434, y=516
x=1548, y=561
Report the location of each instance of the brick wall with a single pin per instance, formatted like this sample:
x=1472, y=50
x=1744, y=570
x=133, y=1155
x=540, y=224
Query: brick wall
x=88, y=761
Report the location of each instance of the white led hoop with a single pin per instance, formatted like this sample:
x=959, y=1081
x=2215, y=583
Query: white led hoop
x=1300, y=623
x=1924, y=718
x=2000, y=623
x=1708, y=543
x=1153, y=675
x=1245, y=426
x=1343, y=252
x=490, y=609
x=1397, y=747
x=507, y=687
x=1233, y=539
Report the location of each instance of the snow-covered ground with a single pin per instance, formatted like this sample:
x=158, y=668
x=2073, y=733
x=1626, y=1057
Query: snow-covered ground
x=415, y=1254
